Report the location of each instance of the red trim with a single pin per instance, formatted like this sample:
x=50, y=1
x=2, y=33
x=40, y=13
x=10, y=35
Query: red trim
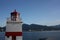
x=13, y=33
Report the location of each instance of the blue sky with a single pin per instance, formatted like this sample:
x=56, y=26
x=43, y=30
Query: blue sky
x=42, y=12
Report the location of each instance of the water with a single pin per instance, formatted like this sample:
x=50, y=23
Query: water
x=50, y=35
x=2, y=36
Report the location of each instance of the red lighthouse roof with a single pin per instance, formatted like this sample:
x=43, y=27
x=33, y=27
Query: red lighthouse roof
x=15, y=11
x=14, y=15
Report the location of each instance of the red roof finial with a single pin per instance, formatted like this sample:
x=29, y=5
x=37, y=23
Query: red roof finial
x=15, y=10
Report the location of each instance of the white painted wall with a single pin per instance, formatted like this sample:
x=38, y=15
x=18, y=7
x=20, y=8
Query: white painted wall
x=19, y=38
x=8, y=38
x=14, y=27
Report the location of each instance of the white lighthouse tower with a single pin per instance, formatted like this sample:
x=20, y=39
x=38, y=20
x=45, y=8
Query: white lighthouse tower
x=14, y=27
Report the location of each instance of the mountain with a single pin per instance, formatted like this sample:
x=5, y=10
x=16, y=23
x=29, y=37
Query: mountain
x=35, y=27
x=57, y=26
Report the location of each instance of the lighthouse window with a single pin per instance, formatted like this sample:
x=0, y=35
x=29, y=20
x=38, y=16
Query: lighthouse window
x=13, y=18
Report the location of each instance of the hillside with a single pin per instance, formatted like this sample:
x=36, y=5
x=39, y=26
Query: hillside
x=35, y=27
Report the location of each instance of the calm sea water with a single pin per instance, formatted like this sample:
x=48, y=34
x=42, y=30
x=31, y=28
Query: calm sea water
x=2, y=36
x=50, y=35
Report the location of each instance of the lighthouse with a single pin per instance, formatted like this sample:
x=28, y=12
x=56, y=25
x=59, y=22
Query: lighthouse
x=14, y=27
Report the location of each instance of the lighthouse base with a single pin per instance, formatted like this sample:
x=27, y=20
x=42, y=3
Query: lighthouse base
x=13, y=37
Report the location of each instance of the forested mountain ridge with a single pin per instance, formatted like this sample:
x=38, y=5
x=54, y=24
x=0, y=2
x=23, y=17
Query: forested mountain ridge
x=35, y=27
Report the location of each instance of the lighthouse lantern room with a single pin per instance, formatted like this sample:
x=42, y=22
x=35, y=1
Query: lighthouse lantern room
x=14, y=27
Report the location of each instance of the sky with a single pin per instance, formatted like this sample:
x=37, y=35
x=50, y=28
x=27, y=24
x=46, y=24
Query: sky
x=42, y=12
